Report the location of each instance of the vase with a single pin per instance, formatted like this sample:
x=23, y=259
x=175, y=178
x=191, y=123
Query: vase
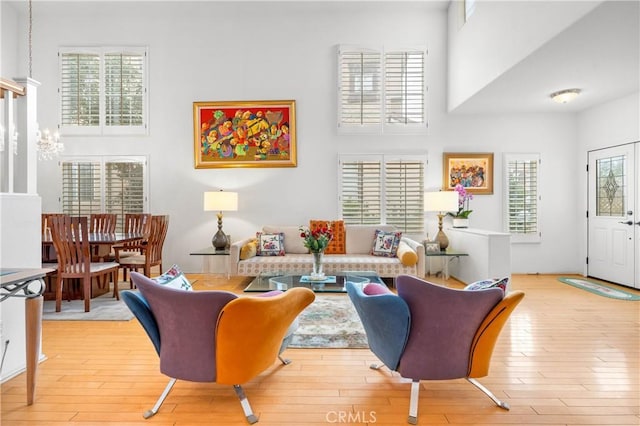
x=459, y=222
x=317, y=265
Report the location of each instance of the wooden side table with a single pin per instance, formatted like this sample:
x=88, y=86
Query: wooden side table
x=212, y=251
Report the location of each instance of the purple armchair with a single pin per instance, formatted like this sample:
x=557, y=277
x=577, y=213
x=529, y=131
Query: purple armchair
x=214, y=336
x=430, y=332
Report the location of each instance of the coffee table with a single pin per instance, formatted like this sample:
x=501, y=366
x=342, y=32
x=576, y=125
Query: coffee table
x=333, y=284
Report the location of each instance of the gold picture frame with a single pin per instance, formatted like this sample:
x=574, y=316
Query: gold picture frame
x=244, y=134
x=473, y=170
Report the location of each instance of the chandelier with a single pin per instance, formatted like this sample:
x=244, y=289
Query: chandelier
x=49, y=145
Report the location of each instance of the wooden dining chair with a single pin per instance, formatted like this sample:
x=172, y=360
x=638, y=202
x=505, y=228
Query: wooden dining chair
x=151, y=252
x=102, y=223
x=71, y=241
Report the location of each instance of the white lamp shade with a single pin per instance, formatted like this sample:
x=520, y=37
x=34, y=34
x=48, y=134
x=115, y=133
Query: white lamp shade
x=220, y=201
x=441, y=201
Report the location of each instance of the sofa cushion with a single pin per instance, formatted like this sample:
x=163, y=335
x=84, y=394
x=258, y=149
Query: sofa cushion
x=406, y=254
x=359, y=237
x=489, y=283
x=248, y=250
x=270, y=244
x=337, y=245
x=386, y=243
x=293, y=243
x=173, y=278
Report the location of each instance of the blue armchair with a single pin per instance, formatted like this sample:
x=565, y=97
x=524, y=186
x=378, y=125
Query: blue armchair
x=430, y=332
x=214, y=336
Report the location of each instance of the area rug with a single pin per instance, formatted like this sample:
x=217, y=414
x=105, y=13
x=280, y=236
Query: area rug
x=103, y=308
x=330, y=322
x=599, y=288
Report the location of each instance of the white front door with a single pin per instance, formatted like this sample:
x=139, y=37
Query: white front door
x=613, y=217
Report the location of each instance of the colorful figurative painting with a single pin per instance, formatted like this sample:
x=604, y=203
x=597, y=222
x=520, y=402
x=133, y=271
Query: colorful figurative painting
x=473, y=171
x=244, y=134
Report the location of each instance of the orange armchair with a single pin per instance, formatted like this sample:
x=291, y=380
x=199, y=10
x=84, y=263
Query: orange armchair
x=214, y=336
x=430, y=332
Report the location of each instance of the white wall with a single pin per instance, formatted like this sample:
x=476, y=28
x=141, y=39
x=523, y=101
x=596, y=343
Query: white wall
x=498, y=36
x=206, y=51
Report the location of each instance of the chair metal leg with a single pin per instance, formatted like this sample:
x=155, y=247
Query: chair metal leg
x=413, y=402
x=160, y=400
x=284, y=361
x=490, y=394
x=248, y=412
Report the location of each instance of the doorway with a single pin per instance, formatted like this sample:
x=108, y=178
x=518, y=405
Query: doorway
x=613, y=218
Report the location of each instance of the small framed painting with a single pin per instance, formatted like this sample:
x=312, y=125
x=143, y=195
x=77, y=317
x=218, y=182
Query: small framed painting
x=244, y=134
x=474, y=171
x=432, y=247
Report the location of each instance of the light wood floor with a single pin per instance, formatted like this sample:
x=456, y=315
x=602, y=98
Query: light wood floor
x=566, y=357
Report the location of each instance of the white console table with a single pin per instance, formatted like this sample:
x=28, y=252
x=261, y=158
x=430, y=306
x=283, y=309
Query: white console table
x=489, y=254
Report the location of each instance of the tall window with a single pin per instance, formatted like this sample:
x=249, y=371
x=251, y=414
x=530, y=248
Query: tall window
x=522, y=198
x=381, y=92
x=383, y=189
x=104, y=184
x=103, y=90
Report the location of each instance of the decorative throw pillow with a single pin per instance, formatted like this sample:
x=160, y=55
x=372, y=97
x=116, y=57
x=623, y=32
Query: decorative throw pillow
x=270, y=244
x=385, y=244
x=489, y=283
x=174, y=278
x=292, y=241
x=373, y=289
x=338, y=242
x=407, y=255
x=249, y=249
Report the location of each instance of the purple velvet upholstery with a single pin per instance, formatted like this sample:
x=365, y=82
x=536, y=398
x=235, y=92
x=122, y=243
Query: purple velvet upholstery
x=187, y=323
x=443, y=324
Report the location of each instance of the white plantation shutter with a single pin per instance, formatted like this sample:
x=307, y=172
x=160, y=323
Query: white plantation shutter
x=377, y=189
x=404, y=88
x=360, y=88
x=523, y=197
x=361, y=194
x=404, y=195
x=80, y=89
x=380, y=91
x=103, y=91
x=81, y=187
x=124, y=89
x=104, y=185
x=124, y=188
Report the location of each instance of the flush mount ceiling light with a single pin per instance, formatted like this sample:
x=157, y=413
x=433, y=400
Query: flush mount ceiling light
x=564, y=96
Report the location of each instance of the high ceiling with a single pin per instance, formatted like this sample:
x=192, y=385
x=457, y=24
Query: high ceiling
x=599, y=54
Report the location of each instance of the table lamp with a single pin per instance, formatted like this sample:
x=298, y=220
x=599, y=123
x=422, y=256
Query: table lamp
x=220, y=201
x=441, y=202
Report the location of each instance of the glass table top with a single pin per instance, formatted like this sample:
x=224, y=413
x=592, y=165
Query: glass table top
x=331, y=284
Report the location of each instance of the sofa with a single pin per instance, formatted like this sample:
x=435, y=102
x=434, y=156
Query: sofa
x=356, y=252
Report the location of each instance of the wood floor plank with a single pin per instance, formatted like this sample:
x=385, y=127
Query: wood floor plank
x=566, y=357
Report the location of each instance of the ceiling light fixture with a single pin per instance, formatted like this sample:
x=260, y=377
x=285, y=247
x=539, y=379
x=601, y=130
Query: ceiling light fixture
x=565, y=96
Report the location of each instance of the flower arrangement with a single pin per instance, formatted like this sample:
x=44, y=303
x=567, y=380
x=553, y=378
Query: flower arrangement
x=317, y=240
x=463, y=202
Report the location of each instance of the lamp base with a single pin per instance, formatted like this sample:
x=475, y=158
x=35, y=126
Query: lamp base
x=441, y=237
x=219, y=240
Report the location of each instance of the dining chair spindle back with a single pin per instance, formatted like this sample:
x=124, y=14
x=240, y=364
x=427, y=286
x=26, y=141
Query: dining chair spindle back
x=71, y=241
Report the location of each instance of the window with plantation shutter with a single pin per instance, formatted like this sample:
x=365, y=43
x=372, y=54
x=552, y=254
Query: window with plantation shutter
x=103, y=91
x=522, y=197
x=383, y=189
x=104, y=185
x=404, y=88
x=381, y=92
